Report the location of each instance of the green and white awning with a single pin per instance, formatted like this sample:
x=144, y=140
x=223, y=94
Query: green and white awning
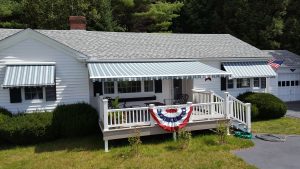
x=29, y=75
x=249, y=69
x=122, y=71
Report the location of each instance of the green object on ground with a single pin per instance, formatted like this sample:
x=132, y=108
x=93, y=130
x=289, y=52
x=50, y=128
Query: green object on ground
x=242, y=134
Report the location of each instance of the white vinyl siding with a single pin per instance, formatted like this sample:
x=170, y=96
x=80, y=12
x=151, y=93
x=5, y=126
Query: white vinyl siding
x=72, y=82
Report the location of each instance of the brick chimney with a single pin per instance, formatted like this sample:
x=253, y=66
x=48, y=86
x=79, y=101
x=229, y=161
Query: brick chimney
x=77, y=23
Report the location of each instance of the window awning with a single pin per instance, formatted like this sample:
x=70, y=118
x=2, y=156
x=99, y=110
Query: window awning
x=151, y=71
x=29, y=75
x=249, y=69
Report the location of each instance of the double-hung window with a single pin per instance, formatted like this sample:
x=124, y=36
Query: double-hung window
x=229, y=83
x=33, y=93
x=243, y=83
x=129, y=87
x=256, y=82
x=109, y=88
x=148, y=86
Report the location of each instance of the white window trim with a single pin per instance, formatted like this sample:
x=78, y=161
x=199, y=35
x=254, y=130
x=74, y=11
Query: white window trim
x=143, y=87
x=129, y=95
x=34, y=100
x=251, y=87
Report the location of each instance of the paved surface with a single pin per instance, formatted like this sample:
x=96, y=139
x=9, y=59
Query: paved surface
x=293, y=109
x=273, y=155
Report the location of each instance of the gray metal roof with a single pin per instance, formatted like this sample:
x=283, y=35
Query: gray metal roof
x=151, y=71
x=249, y=69
x=289, y=58
x=29, y=75
x=99, y=45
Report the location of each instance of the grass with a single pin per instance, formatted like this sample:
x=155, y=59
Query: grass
x=284, y=125
x=156, y=152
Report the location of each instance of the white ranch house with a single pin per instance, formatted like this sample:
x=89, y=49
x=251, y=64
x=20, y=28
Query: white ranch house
x=40, y=69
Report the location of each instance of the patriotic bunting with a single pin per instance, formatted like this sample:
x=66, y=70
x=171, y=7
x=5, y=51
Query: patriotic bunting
x=171, y=119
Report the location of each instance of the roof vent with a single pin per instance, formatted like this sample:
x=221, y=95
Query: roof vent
x=77, y=23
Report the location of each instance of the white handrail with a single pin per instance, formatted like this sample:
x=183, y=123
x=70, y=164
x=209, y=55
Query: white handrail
x=240, y=111
x=214, y=106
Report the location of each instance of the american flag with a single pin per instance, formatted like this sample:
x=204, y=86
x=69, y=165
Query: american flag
x=275, y=64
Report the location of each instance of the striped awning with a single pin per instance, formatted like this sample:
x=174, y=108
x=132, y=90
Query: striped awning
x=249, y=69
x=29, y=75
x=151, y=71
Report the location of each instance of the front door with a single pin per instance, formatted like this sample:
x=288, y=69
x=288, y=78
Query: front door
x=177, y=87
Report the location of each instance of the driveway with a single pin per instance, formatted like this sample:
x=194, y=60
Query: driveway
x=273, y=155
x=293, y=109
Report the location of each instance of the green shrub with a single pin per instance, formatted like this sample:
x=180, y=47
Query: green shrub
x=184, y=139
x=4, y=111
x=264, y=105
x=65, y=121
x=75, y=120
x=27, y=128
x=135, y=143
x=222, y=127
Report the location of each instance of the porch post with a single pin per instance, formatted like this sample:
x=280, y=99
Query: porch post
x=152, y=122
x=100, y=106
x=226, y=105
x=248, y=116
x=105, y=114
x=189, y=104
x=227, y=110
x=211, y=100
x=174, y=136
x=106, y=146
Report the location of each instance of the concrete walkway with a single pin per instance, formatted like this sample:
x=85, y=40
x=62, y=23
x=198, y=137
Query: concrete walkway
x=293, y=109
x=273, y=155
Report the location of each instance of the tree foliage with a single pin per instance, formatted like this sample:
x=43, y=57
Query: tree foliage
x=272, y=24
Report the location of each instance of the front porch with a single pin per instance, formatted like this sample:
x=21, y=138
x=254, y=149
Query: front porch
x=207, y=109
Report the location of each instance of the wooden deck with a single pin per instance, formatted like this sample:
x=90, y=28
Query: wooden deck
x=208, y=108
x=154, y=130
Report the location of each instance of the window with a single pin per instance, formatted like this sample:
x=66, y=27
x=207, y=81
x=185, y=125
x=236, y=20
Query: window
x=50, y=93
x=297, y=83
x=287, y=83
x=148, y=86
x=283, y=83
x=223, y=83
x=97, y=88
x=15, y=95
x=293, y=83
x=243, y=83
x=109, y=87
x=263, y=82
x=129, y=87
x=230, y=83
x=279, y=83
x=256, y=82
x=158, y=86
x=33, y=93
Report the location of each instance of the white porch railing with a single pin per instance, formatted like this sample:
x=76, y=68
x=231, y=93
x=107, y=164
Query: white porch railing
x=207, y=105
x=128, y=117
x=240, y=111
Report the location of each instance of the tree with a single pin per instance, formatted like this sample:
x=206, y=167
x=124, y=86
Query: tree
x=10, y=14
x=157, y=17
x=259, y=23
x=291, y=33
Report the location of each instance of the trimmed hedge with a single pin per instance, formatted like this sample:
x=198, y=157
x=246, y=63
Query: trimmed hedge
x=75, y=120
x=264, y=105
x=65, y=121
x=28, y=128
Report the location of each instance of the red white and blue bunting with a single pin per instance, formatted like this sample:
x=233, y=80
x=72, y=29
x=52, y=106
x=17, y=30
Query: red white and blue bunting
x=171, y=119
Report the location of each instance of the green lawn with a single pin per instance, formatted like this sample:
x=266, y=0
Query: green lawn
x=156, y=152
x=285, y=125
